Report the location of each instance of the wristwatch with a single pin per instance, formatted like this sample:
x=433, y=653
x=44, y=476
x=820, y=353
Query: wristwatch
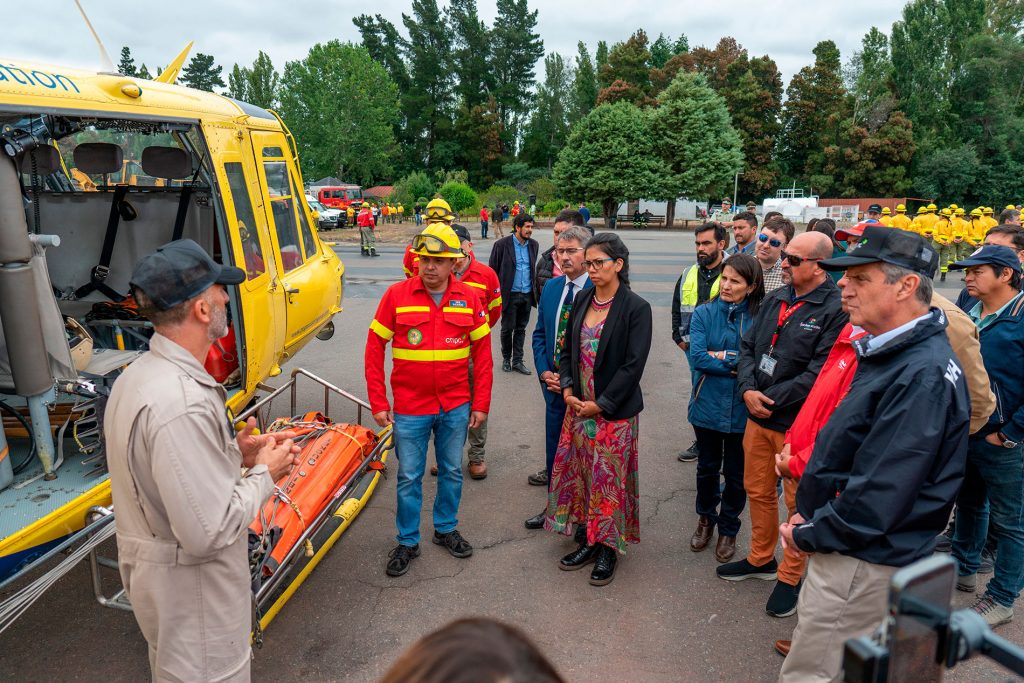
x=1006, y=442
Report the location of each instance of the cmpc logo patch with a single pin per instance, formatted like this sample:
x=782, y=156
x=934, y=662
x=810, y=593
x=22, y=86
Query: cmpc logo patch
x=415, y=337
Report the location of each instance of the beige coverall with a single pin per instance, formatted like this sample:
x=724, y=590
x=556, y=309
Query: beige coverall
x=182, y=507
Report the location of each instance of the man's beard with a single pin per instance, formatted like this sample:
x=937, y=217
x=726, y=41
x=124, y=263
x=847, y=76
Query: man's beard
x=218, y=327
x=707, y=259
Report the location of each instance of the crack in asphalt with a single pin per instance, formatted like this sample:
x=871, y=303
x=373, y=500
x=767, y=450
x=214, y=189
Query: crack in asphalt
x=658, y=502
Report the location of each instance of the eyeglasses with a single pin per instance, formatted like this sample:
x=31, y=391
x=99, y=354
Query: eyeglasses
x=596, y=263
x=432, y=244
x=568, y=252
x=797, y=261
x=770, y=240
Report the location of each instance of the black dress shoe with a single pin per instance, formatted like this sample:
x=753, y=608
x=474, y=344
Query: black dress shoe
x=578, y=558
x=506, y=366
x=537, y=521
x=521, y=369
x=604, y=566
x=539, y=479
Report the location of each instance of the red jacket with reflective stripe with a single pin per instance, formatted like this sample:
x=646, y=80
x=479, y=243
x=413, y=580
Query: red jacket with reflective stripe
x=431, y=347
x=484, y=282
x=410, y=262
x=365, y=219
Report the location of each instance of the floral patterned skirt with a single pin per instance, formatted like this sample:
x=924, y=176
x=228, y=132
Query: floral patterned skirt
x=594, y=480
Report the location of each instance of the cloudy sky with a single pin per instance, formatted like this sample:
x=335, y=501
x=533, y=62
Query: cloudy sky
x=233, y=31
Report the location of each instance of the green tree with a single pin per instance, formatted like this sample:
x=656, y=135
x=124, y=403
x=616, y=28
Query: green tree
x=519, y=174
x=238, y=83
x=263, y=82
x=754, y=98
x=693, y=134
x=682, y=45
x=630, y=62
x=478, y=130
x=661, y=51
x=869, y=73
x=428, y=105
x=471, y=51
x=814, y=104
x=144, y=73
x=340, y=105
x=601, y=59
x=409, y=189
x=871, y=160
x=201, y=73
x=382, y=40
x=947, y=174
x=549, y=125
x=459, y=196
x=584, y=87
x=126, y=67
x=610, y=156
x=516, y=48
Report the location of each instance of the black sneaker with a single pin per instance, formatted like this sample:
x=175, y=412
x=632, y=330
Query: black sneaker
x=782, y=602
x=455, y=543
x=743, y=570
x=690, y=454
x=400, y=557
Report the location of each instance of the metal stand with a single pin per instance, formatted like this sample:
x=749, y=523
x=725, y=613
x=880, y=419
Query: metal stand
x=119, y=600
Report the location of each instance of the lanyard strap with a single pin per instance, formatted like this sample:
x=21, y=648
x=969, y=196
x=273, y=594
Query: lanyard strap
x=785, y=313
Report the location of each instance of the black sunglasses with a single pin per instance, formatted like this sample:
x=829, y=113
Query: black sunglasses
x=796, y=261
x=775, y=243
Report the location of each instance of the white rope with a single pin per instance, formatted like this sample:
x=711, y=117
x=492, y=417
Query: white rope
x=14, y=606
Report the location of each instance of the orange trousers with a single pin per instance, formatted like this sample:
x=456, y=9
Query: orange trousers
x=760, y=480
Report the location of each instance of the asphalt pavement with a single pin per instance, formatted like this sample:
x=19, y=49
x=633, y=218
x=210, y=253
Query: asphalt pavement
x=665, y=617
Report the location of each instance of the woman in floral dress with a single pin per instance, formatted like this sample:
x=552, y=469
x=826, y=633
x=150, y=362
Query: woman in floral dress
x=594, y=480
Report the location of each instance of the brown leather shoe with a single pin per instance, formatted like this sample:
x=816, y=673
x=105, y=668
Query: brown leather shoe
x=782, y=647
x=702, y=536
x=725, y=548
x=478, y=470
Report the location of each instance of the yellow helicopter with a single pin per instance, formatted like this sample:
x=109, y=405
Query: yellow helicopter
x=96, y=170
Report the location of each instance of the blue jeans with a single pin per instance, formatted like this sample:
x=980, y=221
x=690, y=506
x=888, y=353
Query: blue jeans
x=992, y=494
x=412, y=436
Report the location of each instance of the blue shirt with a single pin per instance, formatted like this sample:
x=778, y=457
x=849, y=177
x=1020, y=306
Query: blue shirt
x=521, y=283
x=585, y=212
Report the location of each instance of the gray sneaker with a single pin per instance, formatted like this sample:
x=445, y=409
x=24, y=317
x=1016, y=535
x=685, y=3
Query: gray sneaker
x=993, y=613
x=967, y=584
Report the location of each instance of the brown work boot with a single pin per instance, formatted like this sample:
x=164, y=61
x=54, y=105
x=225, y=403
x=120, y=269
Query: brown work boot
x=478, y=469
x=725, y=548
x=702, y=536
x=782, y=647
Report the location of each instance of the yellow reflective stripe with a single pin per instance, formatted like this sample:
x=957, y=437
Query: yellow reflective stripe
x=429, y=355
x=412, y=309
x=475, y=284
x=496, y=302
x=457, y=309
x=382, y=332
x=480, y=332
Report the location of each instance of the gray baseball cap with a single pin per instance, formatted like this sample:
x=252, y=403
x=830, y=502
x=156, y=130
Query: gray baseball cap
x=178, y=271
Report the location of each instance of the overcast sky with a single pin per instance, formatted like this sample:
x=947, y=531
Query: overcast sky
x=52, y=32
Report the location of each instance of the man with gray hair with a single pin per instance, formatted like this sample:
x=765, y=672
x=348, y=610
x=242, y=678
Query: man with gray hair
x=886, y=467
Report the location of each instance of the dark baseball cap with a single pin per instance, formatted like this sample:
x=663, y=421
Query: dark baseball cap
x=992, y=255
x=877, y=208
x=462, y=232
x=178, y=271
x=888, y=245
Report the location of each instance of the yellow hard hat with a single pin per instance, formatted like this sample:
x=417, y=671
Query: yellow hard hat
x=437, y=240
x=886, y=211
x=946, y=212
x=1011, y=207
x=900, y=208
x=959, y=211
x=987, y=210
x=365, y=205
x=921, y=210
x=438, y=210
x=953, y=207
x=932, y=207
x=976, y=213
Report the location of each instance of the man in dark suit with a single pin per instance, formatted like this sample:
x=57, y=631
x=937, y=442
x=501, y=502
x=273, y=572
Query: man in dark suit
x=548, y=336
x=514, y=259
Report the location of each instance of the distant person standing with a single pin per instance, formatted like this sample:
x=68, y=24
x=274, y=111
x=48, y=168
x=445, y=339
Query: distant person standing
x=744, y=228
x=724, y=213
x=484, y=216
x=417, y=210
x=514, y=259
x=498, y=217
x=366, y=222
x=585, y=212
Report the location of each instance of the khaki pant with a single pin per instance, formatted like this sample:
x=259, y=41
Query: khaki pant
x=760, y=480
x=477, y=435
x=842, y=598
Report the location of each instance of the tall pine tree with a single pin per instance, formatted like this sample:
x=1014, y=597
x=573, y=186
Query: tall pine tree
x=202, y=74
x=428, y=104
x=549, y=125
x=516, y=48
x=126, y=67
x=584, y=87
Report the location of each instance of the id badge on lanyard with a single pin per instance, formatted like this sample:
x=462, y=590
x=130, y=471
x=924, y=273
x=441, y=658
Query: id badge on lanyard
x=768, y=362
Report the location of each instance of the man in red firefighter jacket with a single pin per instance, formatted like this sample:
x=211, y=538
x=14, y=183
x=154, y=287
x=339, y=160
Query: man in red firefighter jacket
x=367, y=239
x=436, y=325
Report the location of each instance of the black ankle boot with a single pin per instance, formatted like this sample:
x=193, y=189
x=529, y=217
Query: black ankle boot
x=578, y=558
x=604, y=566
x=581, y=534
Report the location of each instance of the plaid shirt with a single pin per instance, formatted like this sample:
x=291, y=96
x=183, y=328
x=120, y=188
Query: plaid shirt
x=773, y=277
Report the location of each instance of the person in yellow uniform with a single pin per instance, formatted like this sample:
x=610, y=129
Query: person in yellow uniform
x=901, y=220
x=401, y=212
x=943, y=236
x=926, y=223
x=978, y=228
x=915, y=225
x=986, y=216
x=961, y=230
x=886, y=218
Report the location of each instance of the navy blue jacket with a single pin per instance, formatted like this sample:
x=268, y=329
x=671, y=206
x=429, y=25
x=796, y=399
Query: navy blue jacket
x=964, y=301
x=1002, y=350
x=547, y=325
x=715, y=402
x=887, y=466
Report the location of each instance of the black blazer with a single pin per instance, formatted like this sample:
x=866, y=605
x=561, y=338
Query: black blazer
x=503, y=262
x=621, y=353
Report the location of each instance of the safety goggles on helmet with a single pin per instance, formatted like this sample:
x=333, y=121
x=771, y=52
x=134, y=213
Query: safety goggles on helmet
x=432, y=245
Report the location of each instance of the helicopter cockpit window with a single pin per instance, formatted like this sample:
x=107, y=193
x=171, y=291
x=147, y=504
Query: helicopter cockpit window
x=130, y=171
x=282, y=203
x=255, y=264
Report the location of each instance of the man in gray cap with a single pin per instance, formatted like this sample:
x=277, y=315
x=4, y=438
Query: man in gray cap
x=183, y=503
